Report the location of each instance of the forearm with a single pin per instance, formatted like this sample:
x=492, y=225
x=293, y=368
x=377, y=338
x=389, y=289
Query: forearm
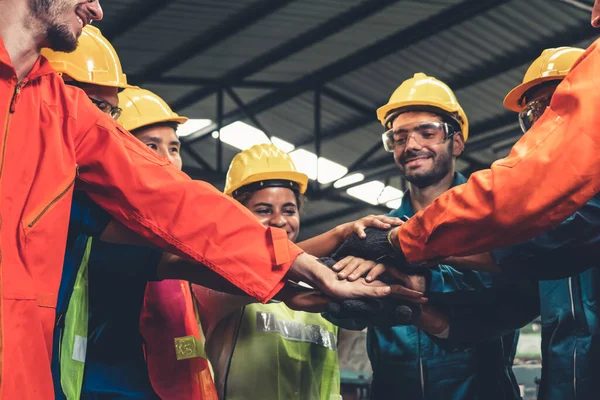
x=324, y=244
x=175, y=267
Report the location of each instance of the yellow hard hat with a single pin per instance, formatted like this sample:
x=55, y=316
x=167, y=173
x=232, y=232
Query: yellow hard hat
x=425, y=91
x=95, y=61
x=551, y=65
x=260, y=163
x=141, y=108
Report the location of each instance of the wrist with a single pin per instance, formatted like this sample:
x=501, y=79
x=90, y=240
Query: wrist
x=307, y=269
x=343, y=231
x=394, y=239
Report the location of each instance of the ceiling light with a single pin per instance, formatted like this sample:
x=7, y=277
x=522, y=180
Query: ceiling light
x=390, y=193
x=368, y=192
x=348, y=180
x=328, y=171
x=242, y=136
x=394, y=204
x=192, y=126
x=282, y=144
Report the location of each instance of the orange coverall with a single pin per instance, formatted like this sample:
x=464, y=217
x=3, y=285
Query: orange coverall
x=53, y=138
x=549, y=174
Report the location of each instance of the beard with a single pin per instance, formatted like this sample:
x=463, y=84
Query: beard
x=58, y=36
x=442, y=166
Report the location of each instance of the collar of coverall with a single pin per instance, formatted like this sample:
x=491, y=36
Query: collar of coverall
x=41, y=66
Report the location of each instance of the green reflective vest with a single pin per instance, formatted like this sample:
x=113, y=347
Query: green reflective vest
x=281, y=354
x=74, y=339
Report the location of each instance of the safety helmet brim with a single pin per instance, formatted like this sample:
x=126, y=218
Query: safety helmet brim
x=514, y=99
x=293, y=176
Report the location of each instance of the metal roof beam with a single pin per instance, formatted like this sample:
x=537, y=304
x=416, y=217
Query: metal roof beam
x=347, y=101
x=451, y=16
x=283, y=51
x=196, y=157
x=237, y=22
x=238, y=101
x=182, y=80
x=134, y=16
x=476, y=75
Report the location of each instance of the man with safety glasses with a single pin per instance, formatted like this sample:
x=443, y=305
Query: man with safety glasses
x=427, y=130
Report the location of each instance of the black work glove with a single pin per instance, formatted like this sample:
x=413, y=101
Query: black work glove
x=375, y=247
x=381, y=313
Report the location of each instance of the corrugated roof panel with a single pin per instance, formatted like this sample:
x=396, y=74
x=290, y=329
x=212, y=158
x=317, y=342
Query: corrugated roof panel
x=347, y=41
x=206, y=108
x=113, y=11
x=246, y=95
x=468, y=46
x=484, y=100
x=348, y=148
x=207, y=149
x=170, y=92
x=294, y=120
x=283, y=25
x=169, y=28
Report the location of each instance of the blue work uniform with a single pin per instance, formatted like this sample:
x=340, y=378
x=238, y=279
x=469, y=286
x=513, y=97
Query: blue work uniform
x=115, y=366
x=568, y=306
x=410, y=364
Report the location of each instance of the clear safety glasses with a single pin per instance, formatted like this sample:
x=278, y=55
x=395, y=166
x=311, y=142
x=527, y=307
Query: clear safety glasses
x=430, y=133
x=105, y=107
x=532, y=112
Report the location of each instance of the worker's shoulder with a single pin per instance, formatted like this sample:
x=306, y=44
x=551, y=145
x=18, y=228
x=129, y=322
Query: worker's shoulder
x=591, y=53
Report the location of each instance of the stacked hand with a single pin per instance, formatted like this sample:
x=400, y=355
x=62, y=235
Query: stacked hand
x=375, y=246
x=392, y=303
x=351, y=286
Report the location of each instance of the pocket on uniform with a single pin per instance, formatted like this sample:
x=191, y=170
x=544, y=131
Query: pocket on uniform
x=453, y=379
x=38, y=213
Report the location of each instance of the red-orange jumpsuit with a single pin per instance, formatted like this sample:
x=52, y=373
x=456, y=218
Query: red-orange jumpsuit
x=53, y=138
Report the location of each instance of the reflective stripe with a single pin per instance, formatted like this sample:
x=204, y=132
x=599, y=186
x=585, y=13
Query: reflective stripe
x=295, y=331
x=79, y=348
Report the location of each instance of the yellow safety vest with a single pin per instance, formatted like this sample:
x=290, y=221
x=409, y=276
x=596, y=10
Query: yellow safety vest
x=281, y=354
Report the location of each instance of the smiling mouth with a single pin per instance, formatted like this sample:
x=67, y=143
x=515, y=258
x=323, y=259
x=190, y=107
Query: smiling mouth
x=82, y=19
x=416, y=159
